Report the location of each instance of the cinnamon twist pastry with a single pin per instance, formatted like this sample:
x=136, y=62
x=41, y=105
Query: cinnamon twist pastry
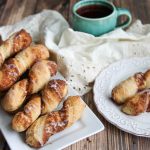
x=14, y=44
x=15, y=96
x=128, y=88
x=15, y=67
x=137, y=104
x=147, y=78
x=45, y=126
x=22, y=120
x=52, y=95
x=39, y=75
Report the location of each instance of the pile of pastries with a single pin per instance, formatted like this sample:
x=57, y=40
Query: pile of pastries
x=133, y=94
x=30, y=94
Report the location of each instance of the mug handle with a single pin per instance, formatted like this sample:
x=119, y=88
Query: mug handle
x=126, y=12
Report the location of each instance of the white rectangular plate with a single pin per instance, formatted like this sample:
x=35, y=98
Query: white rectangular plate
x=88, y=125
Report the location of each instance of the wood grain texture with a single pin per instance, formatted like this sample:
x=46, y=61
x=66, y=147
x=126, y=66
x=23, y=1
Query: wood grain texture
x=111, y=138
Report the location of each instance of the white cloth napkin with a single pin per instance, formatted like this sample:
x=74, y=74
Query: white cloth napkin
x=80, y=56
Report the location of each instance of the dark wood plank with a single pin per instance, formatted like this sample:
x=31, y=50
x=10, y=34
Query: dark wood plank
x=59, y=5
x=2, y=5
x=30, y=7
x=15, y=10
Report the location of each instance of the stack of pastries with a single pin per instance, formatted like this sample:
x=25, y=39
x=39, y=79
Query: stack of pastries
x=29, y=92
x=133, y=94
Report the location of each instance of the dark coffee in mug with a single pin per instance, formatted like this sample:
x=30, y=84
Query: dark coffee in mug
x=97, y=17
x=94, y=11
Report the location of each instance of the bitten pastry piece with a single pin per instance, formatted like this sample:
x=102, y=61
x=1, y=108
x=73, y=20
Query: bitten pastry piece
x=15, y=96
x=52, y=95
x=40, y=74
x=22, y=120
x=45, y=126
x=15, y=67
x=128, y=88
x=14, y=44
x=137, y=104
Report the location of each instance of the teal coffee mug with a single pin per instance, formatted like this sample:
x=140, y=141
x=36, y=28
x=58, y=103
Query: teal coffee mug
x=98, y=17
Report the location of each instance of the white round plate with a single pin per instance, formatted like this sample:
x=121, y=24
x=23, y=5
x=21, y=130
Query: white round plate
x=105, y=82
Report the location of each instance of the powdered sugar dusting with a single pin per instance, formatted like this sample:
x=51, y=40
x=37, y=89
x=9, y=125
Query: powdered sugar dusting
x=53, y=126
x=59, y=124
x=30, y=108
x=54, y=85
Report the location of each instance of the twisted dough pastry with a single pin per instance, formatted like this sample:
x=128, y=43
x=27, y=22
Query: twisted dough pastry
x=22, y=120
x=45, y=126
x=39, y=75
x=128, y=88
x=52, y=95
x=147, y=78
x=15, y=96
x=137, y=104
x=15, y=67
x=14, y=44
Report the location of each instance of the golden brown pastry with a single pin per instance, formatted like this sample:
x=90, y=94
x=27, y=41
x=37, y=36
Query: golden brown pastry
x=137, y=104
x=148, y=107
x=147, y=78
x=52, y=95
x=15, y=67
x=45, y=126
x=15, y=97
x=39, y=75
x=128, y=88
x=14, y=44
x=22, y=120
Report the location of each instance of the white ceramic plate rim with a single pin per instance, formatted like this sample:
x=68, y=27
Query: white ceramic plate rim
x=108, y=117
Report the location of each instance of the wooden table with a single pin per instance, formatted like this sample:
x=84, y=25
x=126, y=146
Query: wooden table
x=111, y=138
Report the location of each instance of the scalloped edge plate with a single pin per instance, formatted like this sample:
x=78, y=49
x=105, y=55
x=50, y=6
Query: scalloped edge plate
x=104, y=83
